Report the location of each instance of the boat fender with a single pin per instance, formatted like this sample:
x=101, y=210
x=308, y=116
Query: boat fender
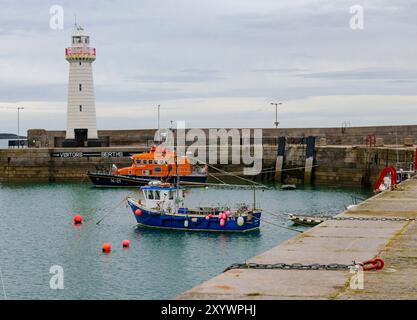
x=222, y=222
x=208, y=217
x=240, y=221
x=227, y=212
x=138, y=212
x=186, y=223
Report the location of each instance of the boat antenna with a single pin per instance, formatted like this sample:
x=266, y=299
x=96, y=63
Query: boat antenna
x=254, y=198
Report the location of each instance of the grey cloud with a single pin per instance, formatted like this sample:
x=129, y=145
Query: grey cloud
x=279, y=70
x=189, y=76
x=365, y=74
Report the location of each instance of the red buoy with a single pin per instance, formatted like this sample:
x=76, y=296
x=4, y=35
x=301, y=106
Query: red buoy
x=126, y=243
x=106, y=248
x=138, y=212
x=78, y=219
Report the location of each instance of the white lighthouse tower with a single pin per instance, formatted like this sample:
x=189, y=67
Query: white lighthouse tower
x=81, y=110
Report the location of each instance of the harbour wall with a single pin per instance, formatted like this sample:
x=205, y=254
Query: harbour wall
x=384, y=135
x=344, y=166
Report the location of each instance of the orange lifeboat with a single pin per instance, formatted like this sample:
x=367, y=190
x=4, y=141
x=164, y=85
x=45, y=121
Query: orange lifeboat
x=157, y=164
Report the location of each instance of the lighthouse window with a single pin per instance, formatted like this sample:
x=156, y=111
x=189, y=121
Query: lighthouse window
x=80, y=87
x=81, y=108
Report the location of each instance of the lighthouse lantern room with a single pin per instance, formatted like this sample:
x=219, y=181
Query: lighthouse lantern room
x=81, y=110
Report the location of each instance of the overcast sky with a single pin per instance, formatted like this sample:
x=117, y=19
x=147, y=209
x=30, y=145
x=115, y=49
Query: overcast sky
x=214, y=63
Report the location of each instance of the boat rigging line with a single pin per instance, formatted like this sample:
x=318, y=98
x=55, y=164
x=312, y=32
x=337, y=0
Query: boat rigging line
x=111, y=210
x=231, y=174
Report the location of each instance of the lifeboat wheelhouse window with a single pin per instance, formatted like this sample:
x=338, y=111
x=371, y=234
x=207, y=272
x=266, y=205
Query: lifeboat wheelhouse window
x=157, y=170
x=161, y=161
x=155, y=161
x=145, y=161
x=138, y=161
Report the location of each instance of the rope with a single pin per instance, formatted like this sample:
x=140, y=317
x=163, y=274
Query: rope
x=268, y=170
x=111, y=211
x=221, y=181
x=277, y=225
x=229, y=173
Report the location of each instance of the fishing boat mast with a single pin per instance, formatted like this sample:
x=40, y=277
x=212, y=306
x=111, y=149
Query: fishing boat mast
x=177, y=196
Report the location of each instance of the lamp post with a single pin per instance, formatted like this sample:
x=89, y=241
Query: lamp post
x=276, y=104
x=159, y=133
x=18, y=125
x=159, y=107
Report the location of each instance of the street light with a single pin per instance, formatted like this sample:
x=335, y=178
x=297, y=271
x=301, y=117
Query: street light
x=18, y=125
x=276, y=112
x=159, y=107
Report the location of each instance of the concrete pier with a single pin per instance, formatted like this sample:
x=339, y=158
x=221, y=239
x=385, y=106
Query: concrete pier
x=335, y=242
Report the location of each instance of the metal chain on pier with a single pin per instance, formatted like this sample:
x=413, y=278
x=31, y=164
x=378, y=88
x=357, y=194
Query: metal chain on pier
x=373, y=264
x=353, y=218
x=291, y=266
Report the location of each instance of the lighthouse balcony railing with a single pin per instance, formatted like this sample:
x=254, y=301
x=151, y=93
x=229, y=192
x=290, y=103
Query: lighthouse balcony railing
x=80, y=51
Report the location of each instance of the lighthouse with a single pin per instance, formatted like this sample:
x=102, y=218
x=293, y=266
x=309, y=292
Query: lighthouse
x=81, y=110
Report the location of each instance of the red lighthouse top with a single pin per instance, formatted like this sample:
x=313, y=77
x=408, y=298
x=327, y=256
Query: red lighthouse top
x=80, y=49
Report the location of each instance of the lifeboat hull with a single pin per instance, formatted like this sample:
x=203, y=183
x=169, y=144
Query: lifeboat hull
x=117, y=180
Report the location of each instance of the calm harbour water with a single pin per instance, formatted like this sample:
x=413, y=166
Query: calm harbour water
x=36, y=232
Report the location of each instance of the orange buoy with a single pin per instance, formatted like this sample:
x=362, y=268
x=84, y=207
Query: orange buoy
x=222, y=222
x=126, y=243
x=138, y=212
x=78, y=219
x=106, y=248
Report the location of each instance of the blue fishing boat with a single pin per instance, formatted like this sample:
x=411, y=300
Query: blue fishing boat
x=163, y=207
